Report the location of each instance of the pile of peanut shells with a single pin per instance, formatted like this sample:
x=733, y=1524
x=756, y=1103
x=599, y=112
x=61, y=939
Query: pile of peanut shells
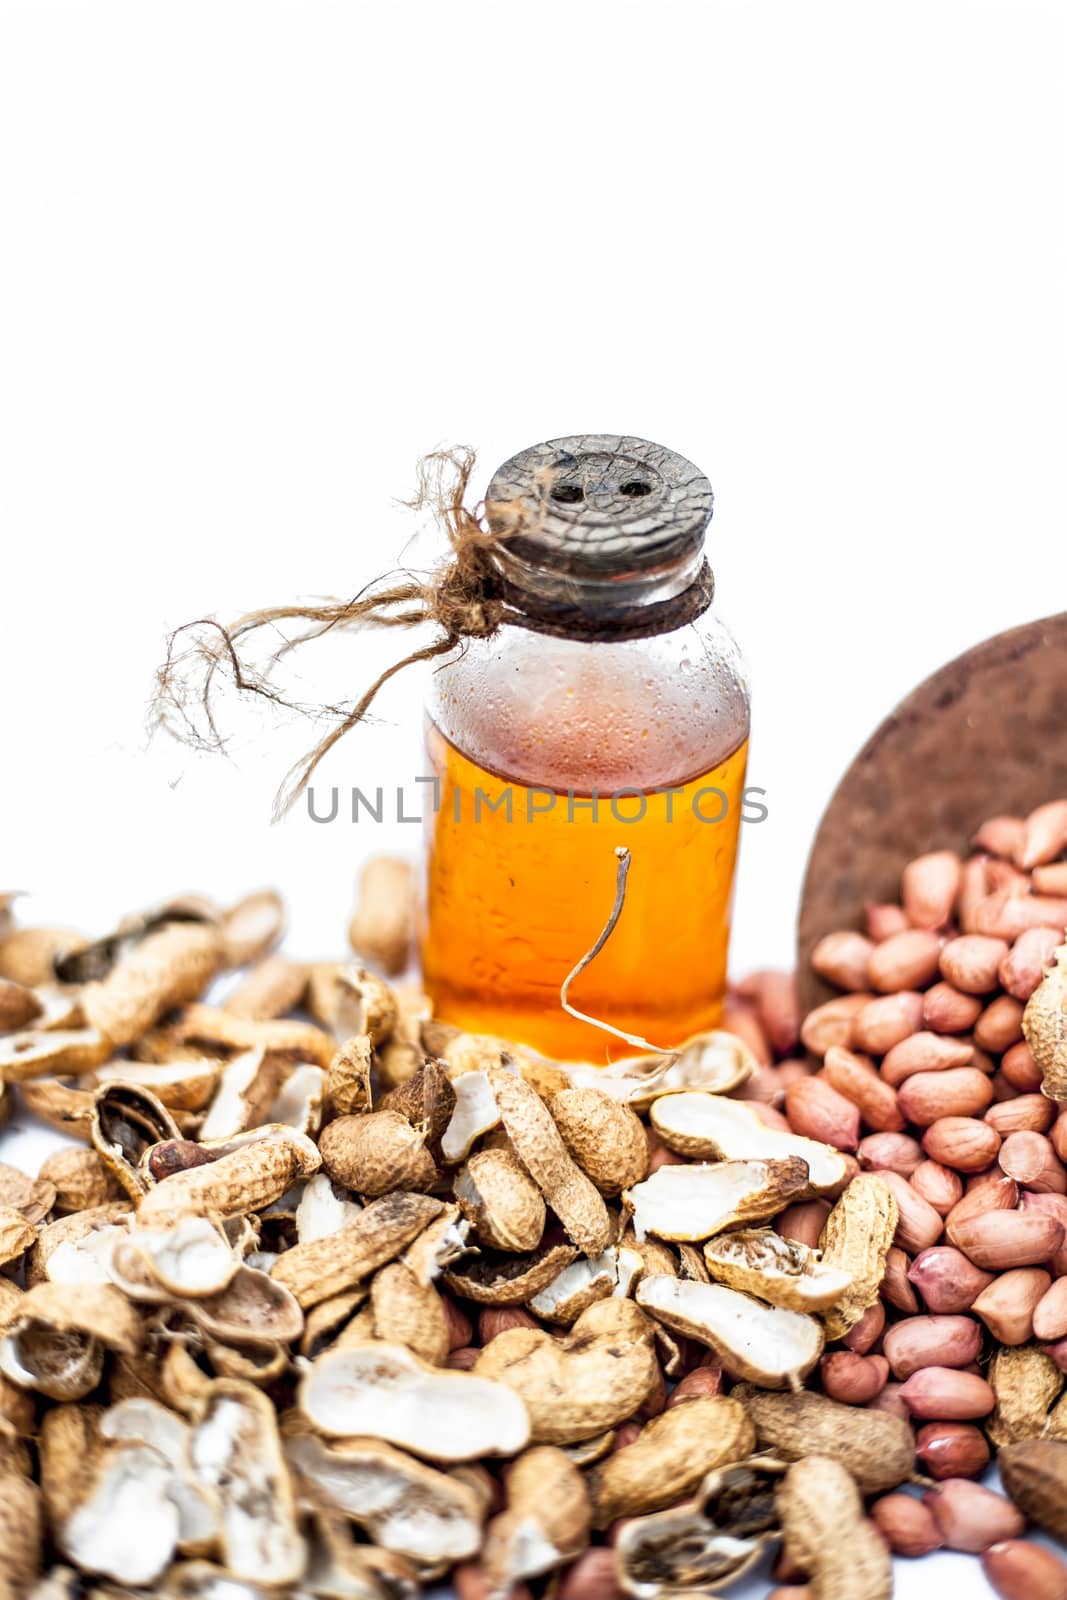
x=323, y=1297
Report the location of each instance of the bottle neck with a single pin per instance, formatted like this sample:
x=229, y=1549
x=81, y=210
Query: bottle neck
x=624, y=605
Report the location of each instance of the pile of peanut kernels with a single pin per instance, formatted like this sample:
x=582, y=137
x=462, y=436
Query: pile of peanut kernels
x=326, y=1298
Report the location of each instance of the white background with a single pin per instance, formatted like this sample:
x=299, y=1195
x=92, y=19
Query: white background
x=257, y=257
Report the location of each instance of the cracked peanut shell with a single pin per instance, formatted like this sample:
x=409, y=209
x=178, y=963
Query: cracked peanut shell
x=856, y=1239
x=539, y=1145
x=593, y=1378
x=670, y=1457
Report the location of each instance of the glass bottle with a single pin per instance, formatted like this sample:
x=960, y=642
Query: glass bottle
x=616, y=713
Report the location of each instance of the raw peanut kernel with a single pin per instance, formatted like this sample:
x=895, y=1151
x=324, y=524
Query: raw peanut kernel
x=947, y=1280
x=778, y=1010
x=702, y=1381
x=889, y=1401
x=1000, y=1025
x=919, y=1342
x=816, y=1111
x=986, y=1191
x=1026, y=1111
x=883, y=921
x=970, y=1517
x=972, y=961
x=493, y=1320
x=1019, y=1570
x=942, y=1394
x=1050, y=1205
x=841, y=958
x=1019, y=1068
x=831, y=1023
x=974, y=890
x=803, y=1222
x=1003, y=1239
x=1001, y=836
x=939, y=1186
x=865, y=1334
x=949, y=1010
x=853, y=1379
x=460, y=1327
x=1006, y=916
x=952, y=1450
x=959, y=1092
x=1007, y=1306
x=896, y=1290
x=1028, y=960
x=1051, y=879
x=929, y=887
x=743, y=1023
x=1044, y=835
x=592, y=1577
x=1030, y=1159
x=905, y=961
x=854, y=1077
x=906, y=1525
x=919, y=1226
x=18, y=1006
x=472, y=1583
x=1050, y=1313
x=882, y=1023
x=965, y=1143
x=890, y=1152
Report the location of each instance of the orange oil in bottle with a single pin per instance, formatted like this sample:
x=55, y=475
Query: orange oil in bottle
x=514, y=899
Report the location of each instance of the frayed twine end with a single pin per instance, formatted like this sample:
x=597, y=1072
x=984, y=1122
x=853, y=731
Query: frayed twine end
x=460, y=597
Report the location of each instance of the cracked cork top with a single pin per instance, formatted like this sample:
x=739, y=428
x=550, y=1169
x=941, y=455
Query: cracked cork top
x=595, y=505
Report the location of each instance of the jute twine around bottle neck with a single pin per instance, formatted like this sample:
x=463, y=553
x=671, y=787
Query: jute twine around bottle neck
x=466, y=597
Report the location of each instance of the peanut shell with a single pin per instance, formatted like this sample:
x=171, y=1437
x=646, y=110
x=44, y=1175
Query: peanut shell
x=323, y=1268
x=510, y=1280
x=546, y=1522
x=826, y=1532
x=1034, y=1474
x=1026, y=1383
x=595, y=1377
x=670, y=1457
x=252, y=1176
x=377, y=1153
x=427, y=1100
x=409, y=1312
x=21, y=1535
x=167, y=968
x=856, y=1238
x=416, y=1510
x=877, y=1448
x=605, y=1138
x=501, y=1201
x=348, y=1085
x=758, y=1261
x=540, y=1147
x=1045, y=1027
x=80, y=1178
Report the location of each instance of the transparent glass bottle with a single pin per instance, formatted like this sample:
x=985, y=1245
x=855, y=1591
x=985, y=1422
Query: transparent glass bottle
x=615, y=711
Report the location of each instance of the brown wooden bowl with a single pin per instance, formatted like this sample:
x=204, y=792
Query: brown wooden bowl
x=985, y=735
